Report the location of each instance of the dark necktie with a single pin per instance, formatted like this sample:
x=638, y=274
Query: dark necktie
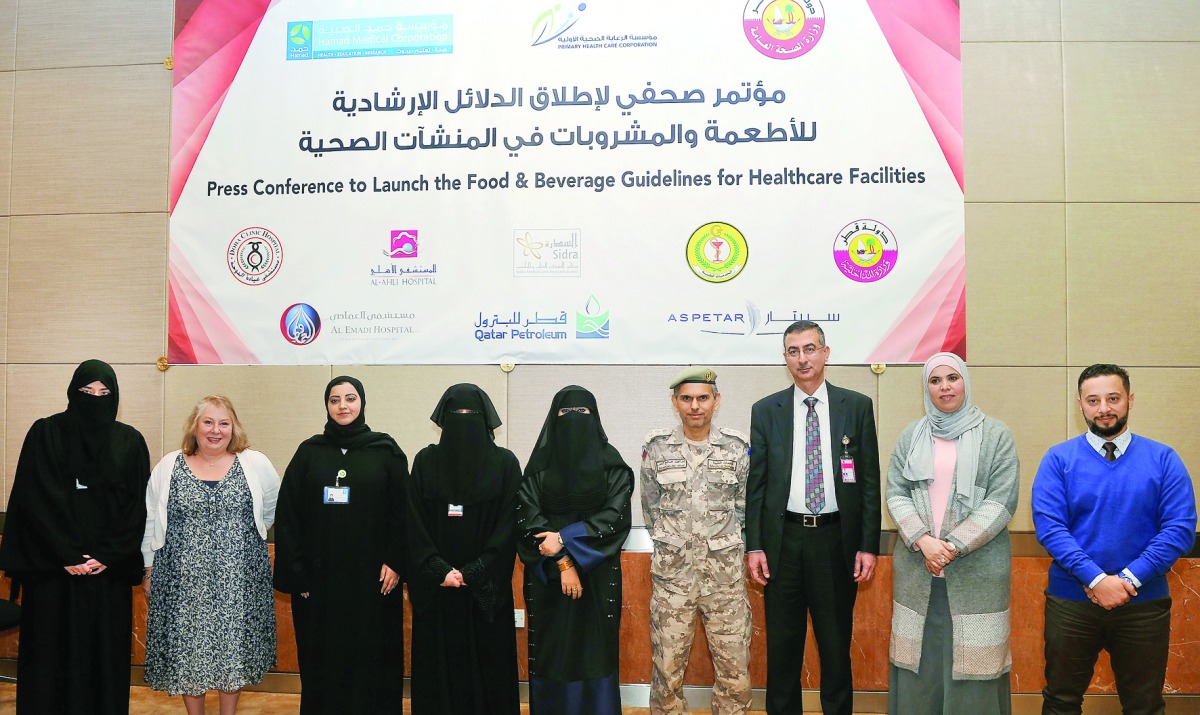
x=1110, y=451
x=814, y=483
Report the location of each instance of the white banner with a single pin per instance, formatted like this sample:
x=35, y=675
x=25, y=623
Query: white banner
x=576, y=182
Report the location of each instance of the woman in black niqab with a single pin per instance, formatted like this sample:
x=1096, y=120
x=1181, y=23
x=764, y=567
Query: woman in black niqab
x=572, y=518
x=339, y=552
x=461, y=498
x=72, y=540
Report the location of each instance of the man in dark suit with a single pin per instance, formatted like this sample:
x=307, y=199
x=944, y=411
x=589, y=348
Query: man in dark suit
x=812, y=520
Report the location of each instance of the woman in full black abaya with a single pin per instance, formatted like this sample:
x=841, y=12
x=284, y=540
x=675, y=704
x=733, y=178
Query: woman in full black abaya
x=339, y=552
x=572, y=518
x=72, y=539
x=460, y=539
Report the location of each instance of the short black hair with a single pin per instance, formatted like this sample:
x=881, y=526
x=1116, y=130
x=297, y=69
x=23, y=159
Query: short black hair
x=800, y=326
x=1100, y=369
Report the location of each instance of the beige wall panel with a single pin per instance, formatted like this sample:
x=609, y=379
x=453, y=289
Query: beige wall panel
x=87, y=286
x=280, y=406
x=900, y=403
x=1013, y=121
x=5, y=229
x=8, y=34
x=400, y=398
x=1032, y=402
x=41, y=390
x=91, y=140
x=7, y=90
x=1150, y=20
x=1016, y=284
x=97, y=32
x=1132, y=117
x=1158, y=412
x=1124, y=269
x=1010, y=21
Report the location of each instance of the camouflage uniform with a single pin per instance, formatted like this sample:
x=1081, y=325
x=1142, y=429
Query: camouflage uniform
x=694, y=503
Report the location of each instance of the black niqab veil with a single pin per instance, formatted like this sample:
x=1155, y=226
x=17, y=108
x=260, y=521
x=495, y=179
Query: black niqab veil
x=574, y=452
x=465, y=457
x=357, y=434
x=88, y=423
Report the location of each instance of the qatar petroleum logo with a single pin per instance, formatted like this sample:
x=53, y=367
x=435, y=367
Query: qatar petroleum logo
x=254, y=256
x=783, y=29
x=300, y=324
x=717, y=252
x=865, y=250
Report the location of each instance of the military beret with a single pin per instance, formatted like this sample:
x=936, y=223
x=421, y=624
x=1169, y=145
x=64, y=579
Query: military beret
x=695, y=374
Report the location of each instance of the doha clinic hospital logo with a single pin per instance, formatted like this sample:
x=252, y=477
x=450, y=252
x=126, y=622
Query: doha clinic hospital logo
x=254, y=256
x=717, y=252
x=783, y=29
x=300, y=324
x=865, y=250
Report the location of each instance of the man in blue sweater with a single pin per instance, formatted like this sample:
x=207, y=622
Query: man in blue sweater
x=1115, y=510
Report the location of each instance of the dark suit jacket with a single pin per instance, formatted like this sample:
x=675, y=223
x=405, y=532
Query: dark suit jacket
x=769, y=483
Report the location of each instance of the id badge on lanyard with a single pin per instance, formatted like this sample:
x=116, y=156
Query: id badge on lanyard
x=848, y=475
x=337, y=494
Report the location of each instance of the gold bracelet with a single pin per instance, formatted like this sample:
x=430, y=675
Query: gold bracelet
x=565, y=563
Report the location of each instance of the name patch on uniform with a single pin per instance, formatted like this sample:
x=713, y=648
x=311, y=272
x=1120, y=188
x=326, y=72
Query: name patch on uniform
x=664, y=464
x=722, y=463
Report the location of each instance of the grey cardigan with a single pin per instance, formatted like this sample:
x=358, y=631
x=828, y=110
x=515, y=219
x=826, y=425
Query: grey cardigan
x=978, y=581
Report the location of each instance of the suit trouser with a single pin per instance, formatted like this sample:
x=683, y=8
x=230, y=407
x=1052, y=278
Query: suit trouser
x=811, y=576
x=1136, y=637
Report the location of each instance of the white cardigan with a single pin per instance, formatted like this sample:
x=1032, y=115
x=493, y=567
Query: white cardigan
x=264, y=491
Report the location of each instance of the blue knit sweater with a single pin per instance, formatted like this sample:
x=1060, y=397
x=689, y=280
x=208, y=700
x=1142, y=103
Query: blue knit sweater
x=1095, y=516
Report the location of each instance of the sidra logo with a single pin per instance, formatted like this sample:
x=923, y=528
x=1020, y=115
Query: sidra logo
x=300, y=324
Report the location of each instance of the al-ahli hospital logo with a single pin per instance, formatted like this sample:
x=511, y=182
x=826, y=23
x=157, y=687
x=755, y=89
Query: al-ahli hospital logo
x=783, y=29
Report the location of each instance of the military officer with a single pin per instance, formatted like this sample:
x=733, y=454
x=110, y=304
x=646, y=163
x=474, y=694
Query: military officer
x=693, y=481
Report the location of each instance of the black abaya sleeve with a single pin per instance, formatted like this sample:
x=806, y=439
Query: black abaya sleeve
x=529, y=517
x=291, y=573
x=120, y=546
x=425, y=560
x=39, y=533
x=395, y=556
x=490, y=574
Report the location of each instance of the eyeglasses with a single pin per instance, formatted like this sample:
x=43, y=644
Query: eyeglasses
x=581, y=410
x=808, y=350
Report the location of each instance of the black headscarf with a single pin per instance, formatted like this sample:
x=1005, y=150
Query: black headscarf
x=466, y=455
x=357, y=434
x=88, y=423
x=574, y=453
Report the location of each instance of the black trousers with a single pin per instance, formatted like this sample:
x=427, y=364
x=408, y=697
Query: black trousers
x=1136, y=637
x=810, y=577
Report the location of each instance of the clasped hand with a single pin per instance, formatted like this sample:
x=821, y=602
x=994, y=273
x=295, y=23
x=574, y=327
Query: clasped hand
x=938, y=554
x=1112, y=591
x=454, y=579
x=551, y=543
x=87, y=568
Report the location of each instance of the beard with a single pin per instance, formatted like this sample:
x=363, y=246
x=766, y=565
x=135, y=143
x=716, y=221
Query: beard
x=1107, y=432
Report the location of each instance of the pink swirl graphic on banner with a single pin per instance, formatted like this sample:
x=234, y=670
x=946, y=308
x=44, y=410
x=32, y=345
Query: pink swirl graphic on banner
x=924, y=37
x=209, y=51
x=935, y=320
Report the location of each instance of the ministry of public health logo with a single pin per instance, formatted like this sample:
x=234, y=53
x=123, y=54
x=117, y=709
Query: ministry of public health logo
x=300, y=324
x=865, y=250
x=592, y=323
x=254, y=256
x=783, y=29
x=717, y=252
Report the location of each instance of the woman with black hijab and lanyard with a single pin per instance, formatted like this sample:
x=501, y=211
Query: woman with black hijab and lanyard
x=461, y=543
x=339, y=551
x=572, y=518
x=72, y=540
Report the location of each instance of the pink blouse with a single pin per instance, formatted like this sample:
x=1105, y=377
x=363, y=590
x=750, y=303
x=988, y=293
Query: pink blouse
x=945, y=455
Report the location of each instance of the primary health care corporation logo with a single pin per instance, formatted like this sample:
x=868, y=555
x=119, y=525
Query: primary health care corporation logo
x=783, y=29
x=300, y=324
x=553, y=22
